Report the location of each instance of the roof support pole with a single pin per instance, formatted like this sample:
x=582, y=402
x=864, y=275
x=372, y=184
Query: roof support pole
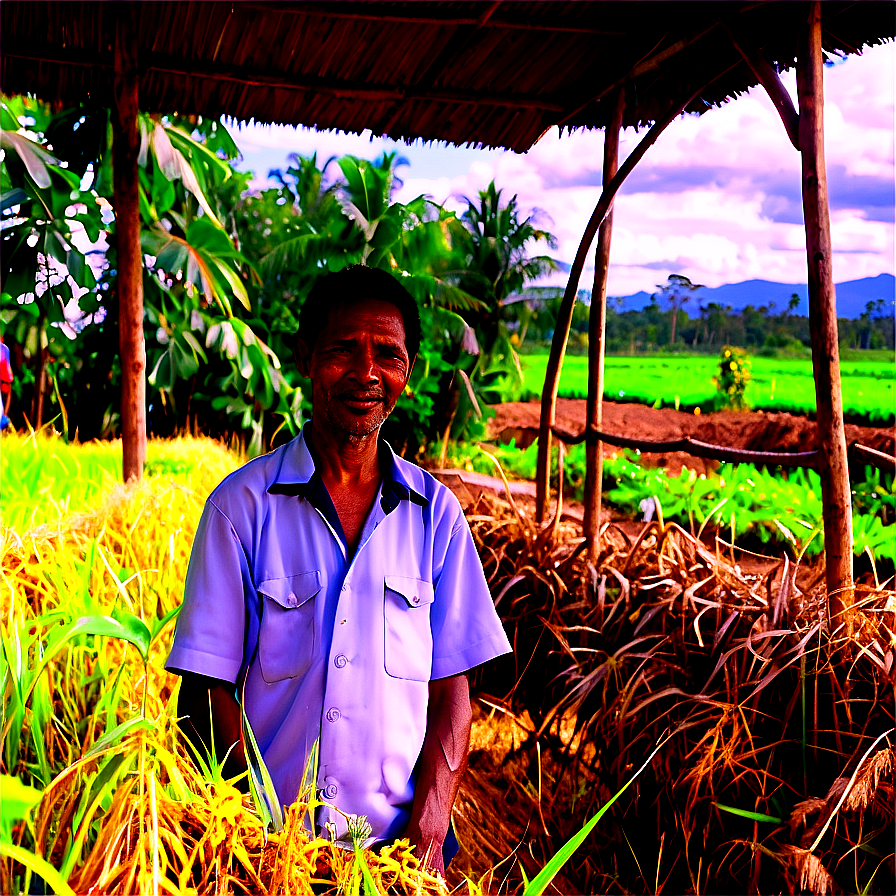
x=597, y=329
x=126, y=201
x=773, y=85
x=567, y=305
x=836, y=499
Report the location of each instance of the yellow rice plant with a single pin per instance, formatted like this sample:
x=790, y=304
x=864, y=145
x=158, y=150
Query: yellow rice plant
x=166, y=829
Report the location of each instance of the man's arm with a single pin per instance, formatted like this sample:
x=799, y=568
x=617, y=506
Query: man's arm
x=208, y=707
x=441, y=766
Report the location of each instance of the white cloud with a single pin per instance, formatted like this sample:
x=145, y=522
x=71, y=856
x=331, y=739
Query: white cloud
x=716, y=198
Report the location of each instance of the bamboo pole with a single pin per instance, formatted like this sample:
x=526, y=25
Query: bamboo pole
x=833, y=467
x=564, y=315
x=126, y=199
x=597, y=328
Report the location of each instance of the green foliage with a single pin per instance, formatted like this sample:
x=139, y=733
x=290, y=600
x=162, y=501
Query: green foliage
x=226, y=271
x=774, y=507
x=761, y=329
x=732, y=378
x=771, y=507
x=491, y=246
x=676, y=293
x=64, y=323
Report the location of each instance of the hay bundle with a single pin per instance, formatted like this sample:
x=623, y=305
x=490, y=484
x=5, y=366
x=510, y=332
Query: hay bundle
x=731, y=658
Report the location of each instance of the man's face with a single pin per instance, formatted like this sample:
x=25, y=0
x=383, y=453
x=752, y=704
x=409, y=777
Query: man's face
x=359, y=366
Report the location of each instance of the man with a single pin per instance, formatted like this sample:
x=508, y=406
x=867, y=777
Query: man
x=339, y=588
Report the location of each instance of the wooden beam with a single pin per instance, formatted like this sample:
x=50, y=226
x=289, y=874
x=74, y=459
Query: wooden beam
x=773, y=85
x=126, y=203
x=833, y=467
x=699, y=448
x=647, y=63
x=304, y=83
x=564, y=315
x=361, y=13
x=597, y=327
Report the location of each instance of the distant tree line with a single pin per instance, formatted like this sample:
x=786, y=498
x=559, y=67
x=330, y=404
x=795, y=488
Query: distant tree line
x=665, y=324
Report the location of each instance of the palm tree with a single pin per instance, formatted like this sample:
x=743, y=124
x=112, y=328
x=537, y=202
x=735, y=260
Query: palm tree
x=495, y=244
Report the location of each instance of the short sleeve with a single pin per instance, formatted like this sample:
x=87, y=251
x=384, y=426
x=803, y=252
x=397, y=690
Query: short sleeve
x=209, y=638
x=465, y=626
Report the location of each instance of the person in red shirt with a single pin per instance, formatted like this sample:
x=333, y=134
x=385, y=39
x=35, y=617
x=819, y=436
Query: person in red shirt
x=5, y=384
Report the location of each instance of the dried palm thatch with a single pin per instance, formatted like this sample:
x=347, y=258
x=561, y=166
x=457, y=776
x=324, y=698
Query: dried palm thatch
x=765, y=702
x=496, y=74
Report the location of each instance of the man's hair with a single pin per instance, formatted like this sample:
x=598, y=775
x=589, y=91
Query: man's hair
x=351, y=285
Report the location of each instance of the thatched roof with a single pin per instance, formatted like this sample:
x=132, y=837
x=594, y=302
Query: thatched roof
x=496, y=74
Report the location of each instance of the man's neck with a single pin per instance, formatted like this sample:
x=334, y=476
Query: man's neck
x=343, y=460
x=350, y=470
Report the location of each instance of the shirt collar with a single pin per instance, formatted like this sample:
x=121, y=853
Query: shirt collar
x=296, y=472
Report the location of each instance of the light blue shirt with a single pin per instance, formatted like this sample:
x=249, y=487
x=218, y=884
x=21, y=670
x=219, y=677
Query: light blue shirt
x=335, y=647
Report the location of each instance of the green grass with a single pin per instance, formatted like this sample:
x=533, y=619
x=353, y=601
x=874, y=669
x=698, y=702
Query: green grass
x=686, y=382
x=44, y=479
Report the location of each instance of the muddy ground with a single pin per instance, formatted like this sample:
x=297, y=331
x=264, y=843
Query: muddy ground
x=756, y=431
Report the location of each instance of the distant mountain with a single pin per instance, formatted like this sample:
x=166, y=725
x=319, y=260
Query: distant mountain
x=852, y=296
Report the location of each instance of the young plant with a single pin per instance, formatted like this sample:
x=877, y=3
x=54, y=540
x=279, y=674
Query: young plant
x=732, y=379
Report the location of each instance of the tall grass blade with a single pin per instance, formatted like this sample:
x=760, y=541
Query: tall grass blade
x=54, y=880
x=264, y=794
x=746, y=813
x=17, y=799
x=540, y=882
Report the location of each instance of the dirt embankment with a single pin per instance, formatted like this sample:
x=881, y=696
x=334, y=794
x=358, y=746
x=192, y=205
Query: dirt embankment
x=755, y=431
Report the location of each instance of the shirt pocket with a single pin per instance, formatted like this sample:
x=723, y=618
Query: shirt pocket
x=288, y=638
x=408, y=647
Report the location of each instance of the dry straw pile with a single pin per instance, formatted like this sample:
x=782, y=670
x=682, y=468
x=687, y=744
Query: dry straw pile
x=776, y=766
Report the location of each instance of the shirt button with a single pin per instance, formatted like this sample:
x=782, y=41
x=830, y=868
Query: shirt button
x=345, y=587
x=415, y=599
x=340, y=662
x=330, y=791
x=333, y=715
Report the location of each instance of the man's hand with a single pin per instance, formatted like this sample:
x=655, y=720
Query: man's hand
x=210, y=709
x=442, y=763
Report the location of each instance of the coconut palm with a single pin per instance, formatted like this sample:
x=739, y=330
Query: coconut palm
x=494, y=246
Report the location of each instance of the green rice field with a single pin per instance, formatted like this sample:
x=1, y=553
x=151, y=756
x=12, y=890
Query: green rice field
x=686, y=382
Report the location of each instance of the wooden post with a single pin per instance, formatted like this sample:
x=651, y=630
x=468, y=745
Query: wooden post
x=567, y=305
x=127, y=234
x=833, y=467
x=597, y=326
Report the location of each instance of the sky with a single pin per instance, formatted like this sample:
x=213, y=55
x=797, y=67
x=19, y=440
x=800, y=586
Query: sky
x=716, y=199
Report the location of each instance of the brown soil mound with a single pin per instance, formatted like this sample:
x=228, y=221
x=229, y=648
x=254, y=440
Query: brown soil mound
x=756, y=431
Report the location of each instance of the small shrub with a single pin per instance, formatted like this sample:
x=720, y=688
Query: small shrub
x=733, y=377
